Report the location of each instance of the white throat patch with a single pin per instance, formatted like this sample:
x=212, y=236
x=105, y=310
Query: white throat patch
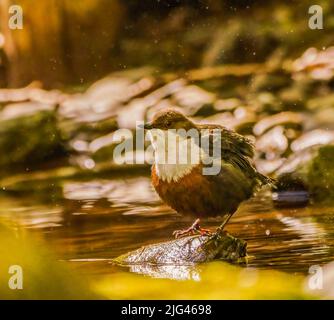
x=174, y=155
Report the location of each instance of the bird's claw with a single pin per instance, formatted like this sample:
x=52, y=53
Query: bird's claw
x=194, y=229
x=182, y=233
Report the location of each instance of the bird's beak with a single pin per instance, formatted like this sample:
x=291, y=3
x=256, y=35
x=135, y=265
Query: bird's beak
x=146, y=126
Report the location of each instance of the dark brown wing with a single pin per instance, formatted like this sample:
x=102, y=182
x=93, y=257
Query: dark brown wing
x=232, y=141
x=236, y=150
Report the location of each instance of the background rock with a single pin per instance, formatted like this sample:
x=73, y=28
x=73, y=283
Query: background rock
x=37, y=139
x=313, y=169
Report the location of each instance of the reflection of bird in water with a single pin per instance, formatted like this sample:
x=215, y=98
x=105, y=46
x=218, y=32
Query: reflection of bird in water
x=183, y=184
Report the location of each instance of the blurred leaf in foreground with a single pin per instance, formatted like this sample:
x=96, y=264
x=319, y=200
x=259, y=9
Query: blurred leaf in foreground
x=215, y=280
x=43, y=277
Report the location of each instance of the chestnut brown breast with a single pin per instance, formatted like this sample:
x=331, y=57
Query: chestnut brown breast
x=202, y=196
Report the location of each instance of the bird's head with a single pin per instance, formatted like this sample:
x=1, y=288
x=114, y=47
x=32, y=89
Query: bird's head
x=170, y=119
x=170, y=135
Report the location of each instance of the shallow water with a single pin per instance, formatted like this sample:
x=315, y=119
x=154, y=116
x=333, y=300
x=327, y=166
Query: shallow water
x=88, y=223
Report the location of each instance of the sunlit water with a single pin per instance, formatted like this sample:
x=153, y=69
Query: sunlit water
x=88, y=223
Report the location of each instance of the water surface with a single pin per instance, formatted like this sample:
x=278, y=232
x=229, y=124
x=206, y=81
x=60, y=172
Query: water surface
x=89, y=222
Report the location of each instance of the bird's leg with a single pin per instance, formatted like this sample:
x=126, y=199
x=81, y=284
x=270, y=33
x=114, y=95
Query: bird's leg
x=220, y=229
x=195, y=228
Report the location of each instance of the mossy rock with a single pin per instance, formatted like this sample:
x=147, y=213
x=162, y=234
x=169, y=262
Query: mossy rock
x=313, y=169
x=29, y=139
x=188, y=250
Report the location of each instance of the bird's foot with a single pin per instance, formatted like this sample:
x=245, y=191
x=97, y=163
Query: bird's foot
x=195, y=228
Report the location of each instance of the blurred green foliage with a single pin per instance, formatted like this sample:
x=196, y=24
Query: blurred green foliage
x=218, y=280
x=43, y=276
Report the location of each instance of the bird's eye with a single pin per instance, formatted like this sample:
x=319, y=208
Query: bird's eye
x=168, y=123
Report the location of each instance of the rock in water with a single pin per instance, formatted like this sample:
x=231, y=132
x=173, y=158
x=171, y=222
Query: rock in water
x=28, y=139
x=187, y=251
x=310, y=171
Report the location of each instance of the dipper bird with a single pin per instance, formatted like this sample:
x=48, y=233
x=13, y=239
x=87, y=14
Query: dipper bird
x=184, y=186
